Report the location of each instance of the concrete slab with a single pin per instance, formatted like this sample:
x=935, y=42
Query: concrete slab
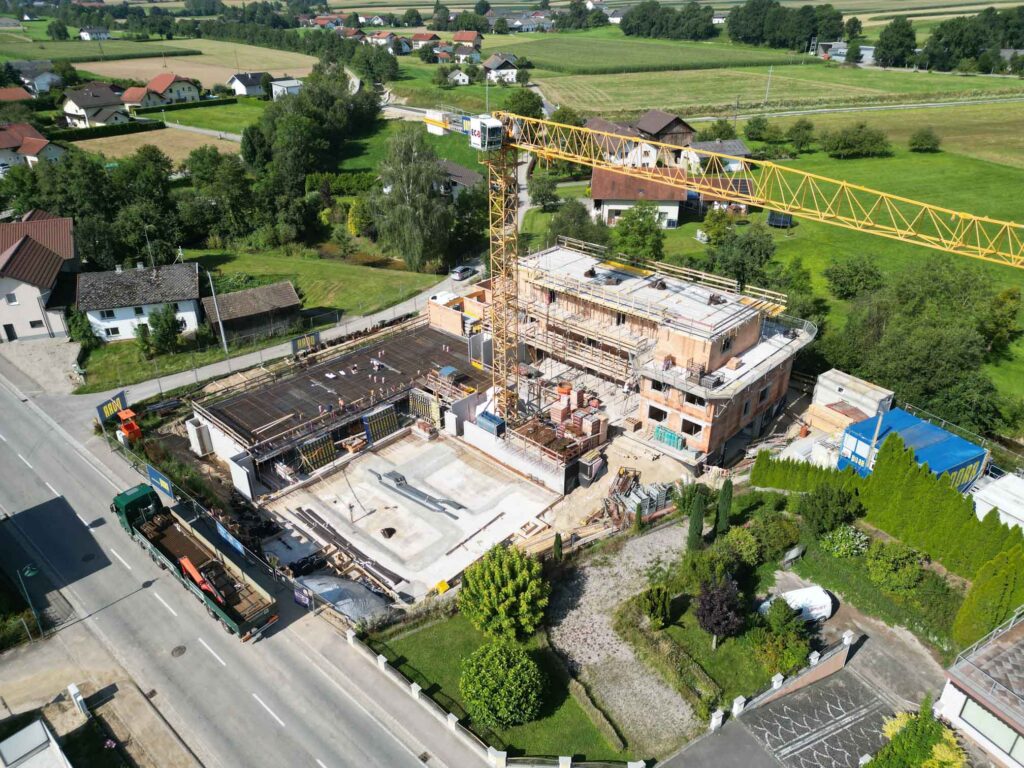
x=427, y=546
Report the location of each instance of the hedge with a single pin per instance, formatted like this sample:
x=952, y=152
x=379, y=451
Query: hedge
x=909, y=502
x=342, y=184
x=186, y=105
x=78, y=58
x=101, y=131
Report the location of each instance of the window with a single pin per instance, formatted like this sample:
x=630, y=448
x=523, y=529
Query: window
x=691, y=427
x=990, y=726
x=112, y=331
x=695, y=400
x=35, y=324
x=139, y=311
x=746, y=408
x=12, y=299
x=176, y=309
x=763, y=394
x=620, y=318
x=107, y=314
x=657, y=386
x=726, y=344
x=552, y=296
x=656, y=414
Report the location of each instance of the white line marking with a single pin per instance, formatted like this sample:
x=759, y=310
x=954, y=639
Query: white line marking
x=279, y=720
x=3, y=438
x=162, y=601
x=25, y=460
x=320, y=763
x=125, y=564
x=212, y=652
x=53, y=490
x=82, y=519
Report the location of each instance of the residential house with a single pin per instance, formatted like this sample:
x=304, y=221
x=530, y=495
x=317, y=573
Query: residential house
x=175, y=89
x=287, y=86
x=634, y=152
x=118, y=302
x=14, y=93
x=328, y=21
x=458, y=77
x=458, y=178
x=735, y=148
x=94, y=33
x=665, y=128
x=615, y=17
x=400, y=46
x=305, y=20
x=468, y=37
x=262, y=311
x=595, y=5
x=466, y=54
x=982, y=696
x=382, y=39
x=375, y=21
x=21, y=144
x=652, y=126
x=141, y=96
x=718, y=18
x=37, y=75
x=443, y=57
x=37, y=266
x=93, y=104
x=421, y=39
x=837, y=52
x=614, y=193
x=247, y=83
x=351, y=33
x=501, y=67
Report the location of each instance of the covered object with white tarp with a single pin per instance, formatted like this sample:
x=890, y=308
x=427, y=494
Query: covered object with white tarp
x=356, y=601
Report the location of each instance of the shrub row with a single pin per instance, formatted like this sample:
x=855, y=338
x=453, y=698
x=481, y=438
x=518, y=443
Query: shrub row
x=76, y=58
x=187, y=105
x=100, y=131
x=352, y=183
x=795, y=475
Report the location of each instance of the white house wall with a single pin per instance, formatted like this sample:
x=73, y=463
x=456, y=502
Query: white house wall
x=125, y=320
x=497, y=75
x=611, y=210
x=950, y=705
x=28, y=311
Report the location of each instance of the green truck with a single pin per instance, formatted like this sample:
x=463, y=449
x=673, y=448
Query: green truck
x=193, y=553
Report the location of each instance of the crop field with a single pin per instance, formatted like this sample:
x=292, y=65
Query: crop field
x=18, y=46
x=176, y=144
x=607, y=50
x=230, y=118
x=214, y=62
x=798, y=85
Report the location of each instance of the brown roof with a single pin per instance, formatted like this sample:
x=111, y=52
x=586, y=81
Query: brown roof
x=163, y=81
x=252, y=301
x=135, y=94
x=38, y=214
x=609, y=185
x=55, y=233
x=425, y=36
x=607, y=126
x=655, y=121
x=14, y=135
x=32, y=146
x=14, y=93
x=29, y=262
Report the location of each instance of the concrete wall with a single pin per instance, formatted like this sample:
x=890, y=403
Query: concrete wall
x=224, y=446
x=444, y=318
x=27, y=315
x=495, y=448
x=125, y=320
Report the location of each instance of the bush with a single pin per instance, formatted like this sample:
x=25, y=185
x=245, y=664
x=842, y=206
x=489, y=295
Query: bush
x=100, y=131
x=501, y=685
x=893, y=566
x=744, y=546
x=852, y=277
x=858, y=140
x=919, y=740
x=504, y=594
x=845, y=541
x=827, y=507
x=775, y=533
x=657, y=604
x=80, y=330
x=924, y=140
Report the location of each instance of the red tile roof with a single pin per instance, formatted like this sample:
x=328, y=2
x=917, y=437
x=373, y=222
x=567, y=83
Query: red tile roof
x=57, y=234
x=30, y=262
x=162, y=82
x=134, y=95
x=467, y=37
x=32, y=146
x=14, y=93
x=382, y=35
x=13, y=136
x=608, y=185
x=425, y=36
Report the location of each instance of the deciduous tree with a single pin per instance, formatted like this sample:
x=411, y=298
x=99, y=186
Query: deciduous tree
x=501, y=685
x=638, y=233
x=719, y=612
x=504, y=594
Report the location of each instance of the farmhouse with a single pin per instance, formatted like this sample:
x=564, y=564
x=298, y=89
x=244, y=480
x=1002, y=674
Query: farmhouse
x=94, y=33
x=328, y=21
x=421, y=39
x=118, y=302
x=382, y=39
x=501, y=67
x=174, y=89
x=261, y=311
x=458, y=77
x=288, y=86
x=351, y=33
x=14, y=93
x=653, y=126
x=247, y=83
x=93, y=104
x=459, y=178
x=37, y=75
x=665, y=128
x=37, y=262
x=468, y=38
x=141, y=96
x=466, y=54
x=21, y=144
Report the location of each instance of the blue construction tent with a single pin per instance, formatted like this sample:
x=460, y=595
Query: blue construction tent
x=942, y=451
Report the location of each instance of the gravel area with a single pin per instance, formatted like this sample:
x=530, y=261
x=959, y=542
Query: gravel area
x=650, y=715
x=48, y=362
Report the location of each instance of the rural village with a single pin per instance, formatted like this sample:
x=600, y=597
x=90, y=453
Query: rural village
x=561, y=383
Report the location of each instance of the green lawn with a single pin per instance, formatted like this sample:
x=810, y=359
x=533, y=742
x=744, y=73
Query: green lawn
x=432, y=657
x=415, y=85
x=731, y=665
x=365, y=154
x=83, y=50
x=229, y=118
x=716, y=90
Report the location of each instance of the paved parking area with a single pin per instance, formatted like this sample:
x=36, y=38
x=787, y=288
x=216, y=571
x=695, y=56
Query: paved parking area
x=49, y=363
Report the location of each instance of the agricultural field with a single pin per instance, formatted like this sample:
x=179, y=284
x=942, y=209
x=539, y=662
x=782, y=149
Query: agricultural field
x=100, y=52
x=229, y=118
x=213, y=62
x=719, y=90
x=176, y=144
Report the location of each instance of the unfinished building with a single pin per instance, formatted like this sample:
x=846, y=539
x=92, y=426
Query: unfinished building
x=710, y=361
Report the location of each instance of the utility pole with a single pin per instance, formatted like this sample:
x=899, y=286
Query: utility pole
x=220, y=323
x=27, y=572
x=769, y=87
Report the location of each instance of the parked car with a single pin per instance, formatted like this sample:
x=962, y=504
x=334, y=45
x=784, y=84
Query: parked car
x=814, y=603
x=462, y=273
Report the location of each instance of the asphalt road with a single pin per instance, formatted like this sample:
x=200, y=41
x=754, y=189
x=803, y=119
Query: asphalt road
x=276, y=702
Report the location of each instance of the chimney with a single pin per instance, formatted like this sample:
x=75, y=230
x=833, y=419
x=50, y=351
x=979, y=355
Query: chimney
x=139, y=266
x=117, y=268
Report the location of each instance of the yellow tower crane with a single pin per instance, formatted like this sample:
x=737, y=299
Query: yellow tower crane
x=503, y=135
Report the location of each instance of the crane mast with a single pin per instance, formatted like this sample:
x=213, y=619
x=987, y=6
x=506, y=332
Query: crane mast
x=503, y=135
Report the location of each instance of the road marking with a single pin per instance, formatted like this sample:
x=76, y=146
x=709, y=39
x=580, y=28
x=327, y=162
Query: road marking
x=25, y=460
x=262, y=704
x=3, y=438
x=125, y=564
x=161, y=600
x=320, y=763
x=53, y=490
x=212, y=652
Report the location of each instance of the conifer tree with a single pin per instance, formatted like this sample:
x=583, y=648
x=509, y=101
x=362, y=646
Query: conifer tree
x=724, y=507
x=694, y=537
x=504, y=594
x=998, y=589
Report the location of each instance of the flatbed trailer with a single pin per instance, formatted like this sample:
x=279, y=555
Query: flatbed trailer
x=237, y=600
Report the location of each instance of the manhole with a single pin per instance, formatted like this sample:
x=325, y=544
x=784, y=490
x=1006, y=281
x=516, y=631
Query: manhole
x=87, y=558
x=178, y=650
